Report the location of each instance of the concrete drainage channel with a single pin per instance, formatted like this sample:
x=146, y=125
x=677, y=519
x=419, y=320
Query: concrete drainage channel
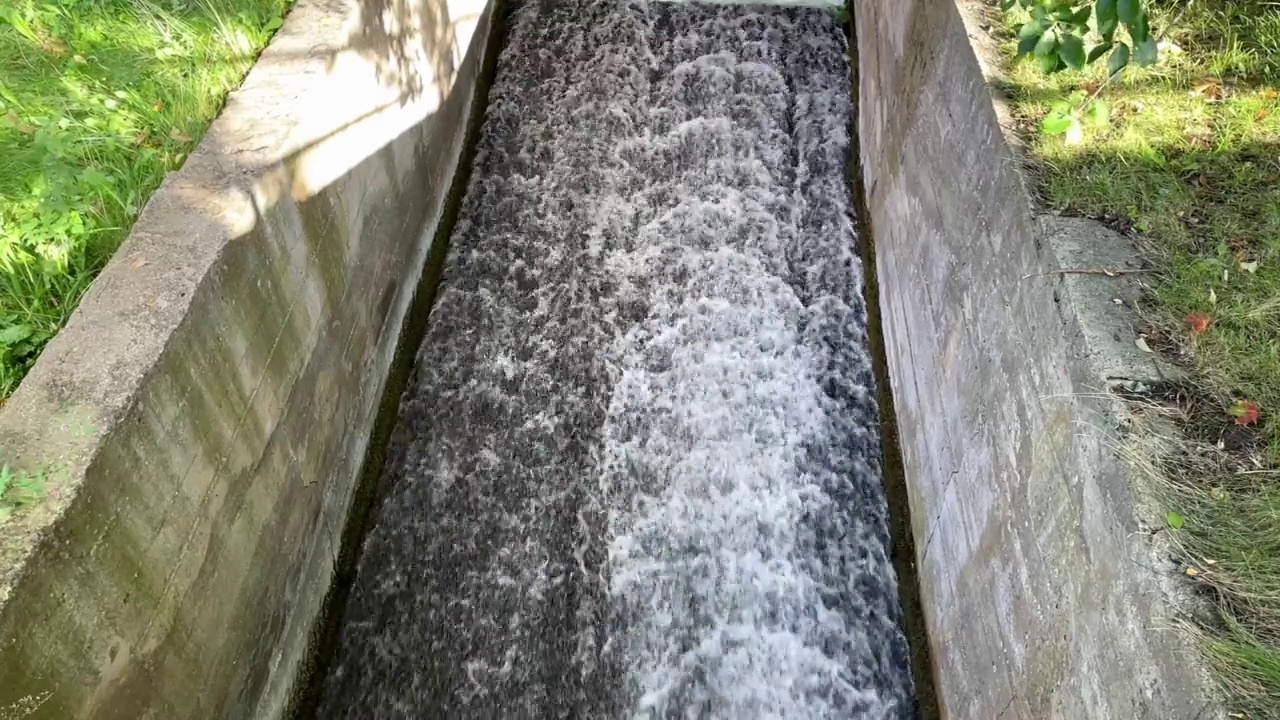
x=213, y=466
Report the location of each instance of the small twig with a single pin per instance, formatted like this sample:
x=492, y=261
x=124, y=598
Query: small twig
x=1092, y=271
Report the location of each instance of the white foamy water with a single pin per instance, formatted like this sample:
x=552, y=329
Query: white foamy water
x=636, y=472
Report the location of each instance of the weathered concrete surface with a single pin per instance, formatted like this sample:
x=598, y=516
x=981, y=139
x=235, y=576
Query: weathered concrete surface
x=1040, y=594
x=203, y=417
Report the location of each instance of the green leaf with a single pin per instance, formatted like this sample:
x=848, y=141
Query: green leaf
x=1108, y=19
x=1039, y=13
x=1119, y=59
x=1174, y=519
x=1033, y=29
x=1048, y=43
x=1049, y=63
x=1098, y=112
x=1109, y=33
x=274, y=23
x=1056, y=123
x=1072, y=51
x=1129, y=10
x=14, y=334
x=1145, y=52
x=1140, y=30
x=1097, y=52
x=1027, y=44
x=1007, y=5
x=1081, y=17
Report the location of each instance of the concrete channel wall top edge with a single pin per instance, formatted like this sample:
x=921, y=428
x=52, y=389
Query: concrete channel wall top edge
x=199, y=426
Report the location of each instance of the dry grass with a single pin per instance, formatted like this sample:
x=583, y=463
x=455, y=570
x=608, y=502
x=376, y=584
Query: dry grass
x=1229, y=504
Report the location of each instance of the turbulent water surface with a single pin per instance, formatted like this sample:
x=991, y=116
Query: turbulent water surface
x=635, y=474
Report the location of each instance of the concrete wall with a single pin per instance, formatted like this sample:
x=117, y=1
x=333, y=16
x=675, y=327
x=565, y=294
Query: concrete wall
x=202, y=420
x=1041, y=597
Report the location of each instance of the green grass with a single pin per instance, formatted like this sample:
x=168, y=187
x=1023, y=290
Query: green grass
x=1190, y=158
x=98, y=100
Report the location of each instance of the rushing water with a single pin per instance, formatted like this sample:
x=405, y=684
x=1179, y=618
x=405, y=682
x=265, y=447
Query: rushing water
x=635, y=474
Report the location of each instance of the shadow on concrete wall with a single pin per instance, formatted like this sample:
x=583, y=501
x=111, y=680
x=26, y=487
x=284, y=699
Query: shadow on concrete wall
x=394, y=34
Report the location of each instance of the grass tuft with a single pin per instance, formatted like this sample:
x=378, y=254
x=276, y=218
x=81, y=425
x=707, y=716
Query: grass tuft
x=98, y=100
x=1190, y=163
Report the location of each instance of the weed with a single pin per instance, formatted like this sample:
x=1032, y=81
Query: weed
x=24, y=708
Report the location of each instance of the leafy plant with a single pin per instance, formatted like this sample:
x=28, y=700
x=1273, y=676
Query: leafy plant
x=1056, y=31
x=1068, y=117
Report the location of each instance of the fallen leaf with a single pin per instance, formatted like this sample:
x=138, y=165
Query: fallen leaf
x=1142, y=345
x=1198, y=321
x=79, y=60
x=1250, y=267
x=1261, y=115
x=1213, y=297
x=140, y=138
x=140, y=262
x=1208, y=88
x=1270, y=94
x=1174, y=519
x=1244, y=411
x=157, y=105
x=1191, y=572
